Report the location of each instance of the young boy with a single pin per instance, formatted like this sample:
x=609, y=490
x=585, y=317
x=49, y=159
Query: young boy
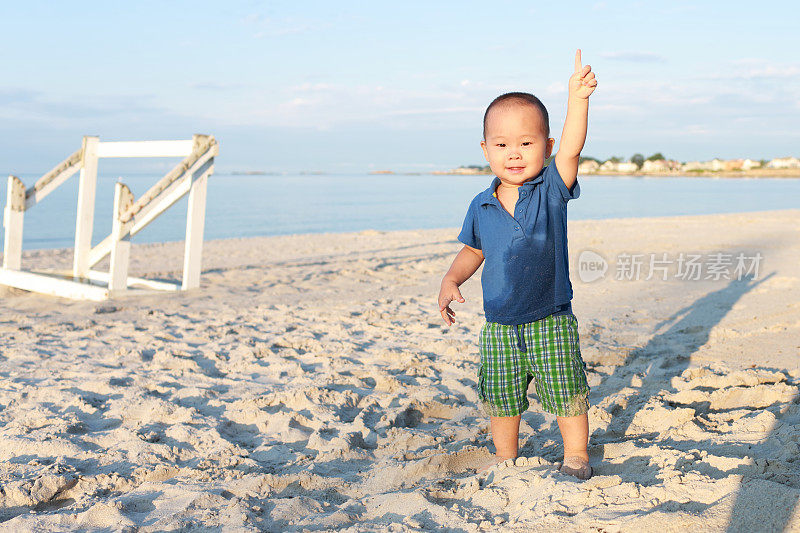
x=519, y=227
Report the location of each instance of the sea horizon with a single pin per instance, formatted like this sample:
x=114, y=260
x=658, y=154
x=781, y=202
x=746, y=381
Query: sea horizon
x=248, y=205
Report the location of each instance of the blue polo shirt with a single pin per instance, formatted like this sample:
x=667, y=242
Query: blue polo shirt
x=526, y=270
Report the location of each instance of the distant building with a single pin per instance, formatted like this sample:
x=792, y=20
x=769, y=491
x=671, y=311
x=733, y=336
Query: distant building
x=784, y=162
x=588, y=167
x=741, y=164
x=627, y=167
x=621, y=167
x=695, y=165
x=733, y=164
x=658, y=165
x=467, y=170
x=471, y=170
x=608, y=166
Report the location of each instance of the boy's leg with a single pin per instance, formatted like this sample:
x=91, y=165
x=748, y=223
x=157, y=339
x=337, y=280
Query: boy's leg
x=575, y=433
x=505, y=434
x=563, y=389
x=502, y=388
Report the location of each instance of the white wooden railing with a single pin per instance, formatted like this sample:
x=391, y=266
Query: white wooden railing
x=190, y=177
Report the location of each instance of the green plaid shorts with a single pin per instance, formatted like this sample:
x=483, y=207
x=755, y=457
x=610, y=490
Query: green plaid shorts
x=547, y=350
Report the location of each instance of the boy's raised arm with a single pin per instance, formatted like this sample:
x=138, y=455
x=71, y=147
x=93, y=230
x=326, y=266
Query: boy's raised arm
x=581, y=84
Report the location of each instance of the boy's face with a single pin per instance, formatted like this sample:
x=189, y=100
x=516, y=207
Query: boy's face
x=515, y=146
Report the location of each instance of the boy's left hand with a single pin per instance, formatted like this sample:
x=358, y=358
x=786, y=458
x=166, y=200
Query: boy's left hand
x=582, y=82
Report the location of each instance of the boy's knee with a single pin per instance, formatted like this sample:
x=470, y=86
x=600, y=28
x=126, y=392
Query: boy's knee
x=577, y=405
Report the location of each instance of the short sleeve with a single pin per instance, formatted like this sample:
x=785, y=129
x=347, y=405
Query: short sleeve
x=557, y=186
x=470, y=234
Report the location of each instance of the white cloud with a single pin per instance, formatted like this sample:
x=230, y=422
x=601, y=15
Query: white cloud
x=616, y=108
x=302, y=102
x=556, y=88
x=756, y=69
x=769, y=72
x=435, y=110
x=697, y=129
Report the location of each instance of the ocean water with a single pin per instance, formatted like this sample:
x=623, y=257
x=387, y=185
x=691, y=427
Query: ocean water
x=246, y=206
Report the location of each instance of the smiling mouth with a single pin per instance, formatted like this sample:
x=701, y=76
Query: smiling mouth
x=515, y=169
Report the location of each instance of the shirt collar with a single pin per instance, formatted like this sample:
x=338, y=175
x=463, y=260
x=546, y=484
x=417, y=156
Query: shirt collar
x=487, y=196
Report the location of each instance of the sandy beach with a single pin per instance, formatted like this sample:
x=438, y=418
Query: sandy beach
x=311, y=384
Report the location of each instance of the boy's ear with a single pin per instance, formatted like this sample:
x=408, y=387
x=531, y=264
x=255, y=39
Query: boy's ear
x=485, y=153
x=550, y=143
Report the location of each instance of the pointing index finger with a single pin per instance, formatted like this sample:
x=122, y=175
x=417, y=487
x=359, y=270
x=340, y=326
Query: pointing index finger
x=578, y=65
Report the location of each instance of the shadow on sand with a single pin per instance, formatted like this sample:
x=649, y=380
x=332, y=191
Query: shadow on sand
x=687, y=330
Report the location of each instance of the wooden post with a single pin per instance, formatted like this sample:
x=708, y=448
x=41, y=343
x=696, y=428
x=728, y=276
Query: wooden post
x=195, y=224
x=121, y=241
x=85, y=220
x=13, y=218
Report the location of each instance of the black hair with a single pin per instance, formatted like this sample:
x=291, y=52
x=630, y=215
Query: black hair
x=520, y=98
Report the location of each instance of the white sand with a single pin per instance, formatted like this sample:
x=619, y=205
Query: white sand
x=310, y=384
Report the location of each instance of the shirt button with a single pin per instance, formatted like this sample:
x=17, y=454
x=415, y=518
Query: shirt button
x=516, y=228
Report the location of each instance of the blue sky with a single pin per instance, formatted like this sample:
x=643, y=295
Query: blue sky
x=357, y=86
